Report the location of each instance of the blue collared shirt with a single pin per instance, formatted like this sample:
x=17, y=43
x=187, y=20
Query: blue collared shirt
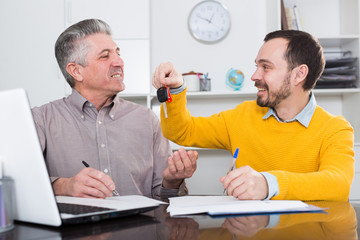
x=304, y=118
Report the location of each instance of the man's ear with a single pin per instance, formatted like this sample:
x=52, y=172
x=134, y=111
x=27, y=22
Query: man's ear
x=301, y=74
x=74, y=70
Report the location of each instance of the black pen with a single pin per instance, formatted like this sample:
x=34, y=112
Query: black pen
x=114, y=191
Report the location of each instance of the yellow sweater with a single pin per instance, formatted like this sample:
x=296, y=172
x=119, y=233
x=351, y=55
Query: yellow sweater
x=314, y=163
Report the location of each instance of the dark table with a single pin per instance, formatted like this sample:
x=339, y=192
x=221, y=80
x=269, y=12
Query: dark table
x=340, y=221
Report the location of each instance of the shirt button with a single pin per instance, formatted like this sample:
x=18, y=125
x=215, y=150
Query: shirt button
x=100, y=122
x=106, y=170
x=112, y=116
x=82, y=116
x=102, y=145
x=90, y=105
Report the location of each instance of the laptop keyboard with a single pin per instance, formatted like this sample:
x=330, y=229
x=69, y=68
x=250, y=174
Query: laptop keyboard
x=77, y=209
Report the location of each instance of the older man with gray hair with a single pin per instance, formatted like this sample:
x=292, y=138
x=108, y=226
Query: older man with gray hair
x=120, y=140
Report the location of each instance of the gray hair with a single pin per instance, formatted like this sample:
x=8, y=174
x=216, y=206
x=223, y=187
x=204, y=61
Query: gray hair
x=71, y=47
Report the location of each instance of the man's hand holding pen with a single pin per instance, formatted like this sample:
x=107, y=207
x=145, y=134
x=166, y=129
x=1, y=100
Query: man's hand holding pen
x=89, y=182
x=93, y=183
x=114, y=191
x=245, y=183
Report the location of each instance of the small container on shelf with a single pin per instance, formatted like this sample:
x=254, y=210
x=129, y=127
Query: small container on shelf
x=192, y=80
x=6, y=203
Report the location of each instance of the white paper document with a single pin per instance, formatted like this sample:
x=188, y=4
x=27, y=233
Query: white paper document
x=228, y=205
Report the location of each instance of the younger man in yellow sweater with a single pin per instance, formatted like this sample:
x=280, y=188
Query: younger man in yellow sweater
x=289, y=148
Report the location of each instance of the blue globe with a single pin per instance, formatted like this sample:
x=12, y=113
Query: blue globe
x=234, y=79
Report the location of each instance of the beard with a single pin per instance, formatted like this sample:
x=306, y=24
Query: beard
x=274, y=98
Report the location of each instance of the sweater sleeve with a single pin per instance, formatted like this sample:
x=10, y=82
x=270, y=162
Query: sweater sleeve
x=186, y=130
x=334, y=177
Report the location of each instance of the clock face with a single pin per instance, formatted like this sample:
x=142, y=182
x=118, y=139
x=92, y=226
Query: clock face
x=209, y=21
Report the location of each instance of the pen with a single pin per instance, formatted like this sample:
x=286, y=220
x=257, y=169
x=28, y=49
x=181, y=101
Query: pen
x=114, y=191
x=233, y=164
x=201, y=79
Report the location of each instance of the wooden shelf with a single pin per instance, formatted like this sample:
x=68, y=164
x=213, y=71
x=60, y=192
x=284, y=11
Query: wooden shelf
x=337, y=41
x=336, y=91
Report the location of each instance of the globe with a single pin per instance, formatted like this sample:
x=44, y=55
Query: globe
x=234, y=79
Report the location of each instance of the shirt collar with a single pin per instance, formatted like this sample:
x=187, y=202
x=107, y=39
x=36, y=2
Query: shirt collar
x=79, y=102
x=304, y=117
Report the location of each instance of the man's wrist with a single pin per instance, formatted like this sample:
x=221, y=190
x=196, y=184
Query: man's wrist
x=273, y=185
x=173, y=184
x=59, y=186
x=178, y=90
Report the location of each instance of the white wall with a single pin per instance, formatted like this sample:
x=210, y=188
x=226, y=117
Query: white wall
x=129, y=22
x=171, y=39
x=29, y=30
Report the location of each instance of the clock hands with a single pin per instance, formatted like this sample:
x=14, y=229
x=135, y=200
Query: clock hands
x=205, y=19
x=211, y=18
x=208, y=20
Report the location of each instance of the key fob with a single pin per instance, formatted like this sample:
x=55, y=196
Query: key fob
x=163, y=94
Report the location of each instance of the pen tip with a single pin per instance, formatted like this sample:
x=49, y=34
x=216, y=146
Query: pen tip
x=236, y=152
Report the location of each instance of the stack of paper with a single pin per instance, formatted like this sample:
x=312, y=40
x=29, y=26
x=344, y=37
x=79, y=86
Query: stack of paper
x=339, y=72
x=228, y=205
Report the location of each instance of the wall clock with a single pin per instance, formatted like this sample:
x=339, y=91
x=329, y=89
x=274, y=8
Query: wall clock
x=209, y=21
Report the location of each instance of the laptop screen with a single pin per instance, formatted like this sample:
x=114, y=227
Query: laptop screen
x=23, y=161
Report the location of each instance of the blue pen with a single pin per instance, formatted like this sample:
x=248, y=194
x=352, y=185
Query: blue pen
x=233, y=163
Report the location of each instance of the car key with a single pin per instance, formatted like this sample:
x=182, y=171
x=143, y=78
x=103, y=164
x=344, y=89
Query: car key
x=163, y=95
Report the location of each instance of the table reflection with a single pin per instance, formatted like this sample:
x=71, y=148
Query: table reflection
x=339, y=222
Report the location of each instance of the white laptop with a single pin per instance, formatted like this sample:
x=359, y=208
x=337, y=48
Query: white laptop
x=22, y=160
